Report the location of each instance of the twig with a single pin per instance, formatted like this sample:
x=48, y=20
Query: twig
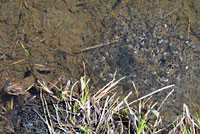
x=48, y=113
x=98, y=46
x=45, y=120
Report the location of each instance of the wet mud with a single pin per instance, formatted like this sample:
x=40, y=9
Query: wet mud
x=153, y=43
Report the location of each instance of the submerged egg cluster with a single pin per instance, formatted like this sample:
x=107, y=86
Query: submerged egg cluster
x=151, y=52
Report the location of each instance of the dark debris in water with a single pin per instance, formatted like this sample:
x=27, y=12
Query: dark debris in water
x=154, y=46
x=152, y=51
x=23, y=118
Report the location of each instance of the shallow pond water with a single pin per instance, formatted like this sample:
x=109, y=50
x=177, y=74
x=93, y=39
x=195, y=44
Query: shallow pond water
x=153, y=43
x=153, y=48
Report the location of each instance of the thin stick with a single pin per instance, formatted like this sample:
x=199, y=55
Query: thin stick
x=171, y=12
x=44, y=110
x=18, y=62
x=48, y=113
x=99, y=45
x=136, y=91
x=188, y=29
x=40, y=116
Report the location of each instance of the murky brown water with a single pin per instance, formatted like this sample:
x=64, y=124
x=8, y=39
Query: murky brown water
x=156, y=43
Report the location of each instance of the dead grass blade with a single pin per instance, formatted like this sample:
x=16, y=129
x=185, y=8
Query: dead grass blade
x=154, y=92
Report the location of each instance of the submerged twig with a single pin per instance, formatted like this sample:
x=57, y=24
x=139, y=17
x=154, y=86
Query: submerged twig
x=98, y=46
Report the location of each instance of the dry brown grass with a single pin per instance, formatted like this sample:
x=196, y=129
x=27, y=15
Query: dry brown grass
x=104, y=112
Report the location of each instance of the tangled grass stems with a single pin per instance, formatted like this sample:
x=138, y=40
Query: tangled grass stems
x=103, y=112
x=185, y=123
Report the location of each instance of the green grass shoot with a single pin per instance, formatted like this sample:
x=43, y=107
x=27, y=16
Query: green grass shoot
x=123, y=114
x=25, y=49
x=75, y=106
x=126, y=113
x=141, y=124
x=84, y=97
x=198, y=118
x=74, y=110
x=141, y=119
x=85, y=94
x=189, y=131
x=61, y=94
x=84, y=130
x=173, y=125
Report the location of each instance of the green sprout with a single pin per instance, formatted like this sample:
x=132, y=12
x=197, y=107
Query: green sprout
x=61, y=94
x=85, y=94
x=119, y=114
x=141, y=120
x=126, y=113
x=25, y=49
x=84, y=130
x=74, y=110
x=141, y=124
x=189, y=131
x=123, y=114
x=84, y=97
x=198, y=118
x=173, y=125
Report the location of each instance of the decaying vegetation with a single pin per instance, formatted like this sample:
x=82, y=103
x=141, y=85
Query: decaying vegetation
x=104, y=112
